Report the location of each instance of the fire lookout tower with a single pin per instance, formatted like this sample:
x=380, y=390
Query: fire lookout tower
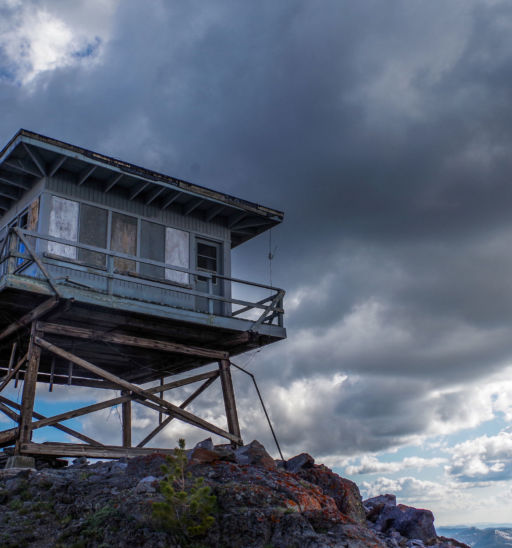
x=114, y=276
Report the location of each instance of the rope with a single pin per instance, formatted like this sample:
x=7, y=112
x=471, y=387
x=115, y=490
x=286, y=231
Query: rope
x=262, y=405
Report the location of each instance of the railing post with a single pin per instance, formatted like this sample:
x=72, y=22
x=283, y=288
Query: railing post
x=110, y=273
x=210, y=292
x=280, y=319
x=13, y=248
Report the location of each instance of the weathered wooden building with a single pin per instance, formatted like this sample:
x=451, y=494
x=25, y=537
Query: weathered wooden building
x=113, y=276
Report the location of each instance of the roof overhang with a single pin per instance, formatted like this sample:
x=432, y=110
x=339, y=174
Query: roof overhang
x=28, y=157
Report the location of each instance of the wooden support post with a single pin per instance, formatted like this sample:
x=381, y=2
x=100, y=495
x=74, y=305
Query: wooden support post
x=229, y=399
x=12, y=372
x=29, y=392
x=127, y=420
x=13, y=356
x=160, y=416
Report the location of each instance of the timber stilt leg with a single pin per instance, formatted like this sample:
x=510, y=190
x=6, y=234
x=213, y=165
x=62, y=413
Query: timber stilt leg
x=29, y=392
x=229, y=398
x=126, y=407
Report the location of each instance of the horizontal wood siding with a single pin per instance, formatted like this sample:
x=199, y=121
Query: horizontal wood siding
x=112, y=201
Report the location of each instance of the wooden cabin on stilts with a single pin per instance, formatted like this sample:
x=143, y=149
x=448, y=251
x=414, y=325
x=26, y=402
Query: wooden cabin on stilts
x=114, y=276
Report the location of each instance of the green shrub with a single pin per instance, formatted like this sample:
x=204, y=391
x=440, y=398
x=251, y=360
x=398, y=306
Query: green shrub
x=189, y=506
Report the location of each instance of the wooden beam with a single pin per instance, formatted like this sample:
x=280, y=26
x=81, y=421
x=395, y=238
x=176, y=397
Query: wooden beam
x=191, y=205
x=116, y=401
x=229, y=399
x=37, y=260
x=7, y=437
x=31, y=316
x=213, y=213
x=164, y=423
x=19, y=165
x=113, y=182
x=129, y=340
x=9, y=194
x=138, y=189
x=13, y=355
x=145, y=394
x=126, y=408
x=55, y=166
x=34, y=155
x=12, y=372
x=155, y=195
x=60, y=427
x=81, y=450
x=63, y=379
x=29, y=391
x=9, y=412
x=85, y=175
x=171, y=199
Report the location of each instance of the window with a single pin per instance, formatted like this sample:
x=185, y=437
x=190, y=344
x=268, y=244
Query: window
x=63, y=224
x=177, y=254
x=207, y=259
x=124, y=240
x=152, y=246
x=93, y=231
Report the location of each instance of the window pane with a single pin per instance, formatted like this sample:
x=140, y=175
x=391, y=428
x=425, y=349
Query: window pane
x=152, y=246
x=93, y=231
x=124, y=240
x=63, y=224
x=207, y=250
x=177, y=254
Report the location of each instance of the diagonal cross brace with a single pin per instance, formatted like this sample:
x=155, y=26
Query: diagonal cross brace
x=145, y=394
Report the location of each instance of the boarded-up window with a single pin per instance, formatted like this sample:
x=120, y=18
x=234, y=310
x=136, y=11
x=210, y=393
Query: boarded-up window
x=124, y=240
x=176, y=254
x=63, y=224
x=93, y=231
x=152, y=246
x=33, y=215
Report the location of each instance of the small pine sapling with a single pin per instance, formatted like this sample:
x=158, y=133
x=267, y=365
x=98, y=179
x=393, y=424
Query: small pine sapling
x=189, y=505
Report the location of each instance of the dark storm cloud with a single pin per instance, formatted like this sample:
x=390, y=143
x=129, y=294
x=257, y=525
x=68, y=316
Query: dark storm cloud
x=382, y=129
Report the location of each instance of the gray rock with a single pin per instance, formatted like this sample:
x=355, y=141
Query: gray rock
x=205, y=444
x=299, y=462
x=412, y=523
x=146, y=485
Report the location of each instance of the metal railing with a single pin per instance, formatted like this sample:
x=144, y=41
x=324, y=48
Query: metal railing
x=25, y=253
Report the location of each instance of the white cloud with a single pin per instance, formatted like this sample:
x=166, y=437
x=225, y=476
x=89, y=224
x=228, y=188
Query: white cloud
x=484, y=459
x=39, y=37
x=408, y=489
x=371, y=465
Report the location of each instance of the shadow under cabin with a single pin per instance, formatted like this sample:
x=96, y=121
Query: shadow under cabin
x=114, y=276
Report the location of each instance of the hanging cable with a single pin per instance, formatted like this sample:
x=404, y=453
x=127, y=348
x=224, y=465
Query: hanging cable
x=262, y=405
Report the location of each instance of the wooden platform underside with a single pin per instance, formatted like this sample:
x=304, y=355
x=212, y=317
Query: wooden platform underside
x=93, y=332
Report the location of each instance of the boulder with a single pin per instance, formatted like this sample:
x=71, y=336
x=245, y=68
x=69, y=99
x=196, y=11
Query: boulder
x=254, y=454
x=200, y=455
x=374, y=506
x=345, y=493
x=412, y=523
x=205, y=444
x=299, y=462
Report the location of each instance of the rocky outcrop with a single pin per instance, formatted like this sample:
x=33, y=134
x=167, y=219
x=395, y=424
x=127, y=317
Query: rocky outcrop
x=260, y=503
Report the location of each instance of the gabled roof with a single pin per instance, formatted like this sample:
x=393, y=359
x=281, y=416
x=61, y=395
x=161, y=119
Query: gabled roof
x=29, y=156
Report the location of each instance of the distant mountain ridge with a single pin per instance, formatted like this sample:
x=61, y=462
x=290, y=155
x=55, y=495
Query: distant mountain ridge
x=490, y=537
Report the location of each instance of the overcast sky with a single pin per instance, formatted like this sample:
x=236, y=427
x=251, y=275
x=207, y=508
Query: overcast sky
x=383, y=130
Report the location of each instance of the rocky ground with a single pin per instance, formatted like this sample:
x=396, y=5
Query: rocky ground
x=260, y=503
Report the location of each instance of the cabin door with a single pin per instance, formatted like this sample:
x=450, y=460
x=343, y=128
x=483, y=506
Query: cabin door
x=209, y=260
